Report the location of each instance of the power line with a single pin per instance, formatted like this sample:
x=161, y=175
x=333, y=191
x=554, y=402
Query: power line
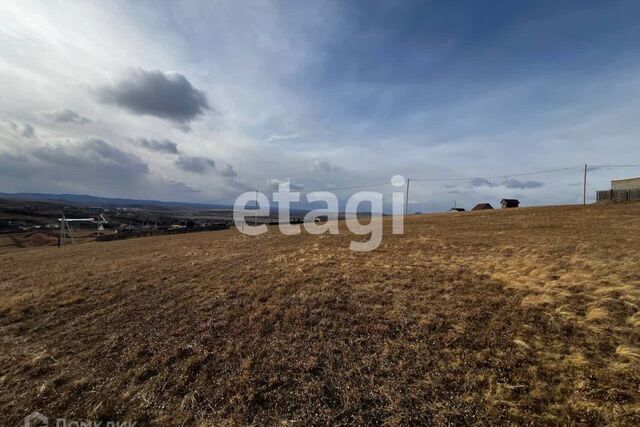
x=612, y=166
x=348, y=188
x=380, y=184
x=497, y=176
x=311, y=191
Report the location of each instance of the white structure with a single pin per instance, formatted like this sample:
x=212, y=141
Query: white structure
x=625, y=184
x=66, y=232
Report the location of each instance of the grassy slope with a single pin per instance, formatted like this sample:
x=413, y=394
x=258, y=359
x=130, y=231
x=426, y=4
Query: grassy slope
x=528, y=315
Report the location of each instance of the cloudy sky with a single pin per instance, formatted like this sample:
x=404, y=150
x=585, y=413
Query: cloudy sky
x=198, y=101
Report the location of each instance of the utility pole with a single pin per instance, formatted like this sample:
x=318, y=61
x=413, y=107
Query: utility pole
x=255, y=217
x=61, y=235
x=406, y=201
x=584, y=186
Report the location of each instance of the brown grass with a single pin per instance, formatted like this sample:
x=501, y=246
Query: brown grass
x=526, y=316
x=19, y=241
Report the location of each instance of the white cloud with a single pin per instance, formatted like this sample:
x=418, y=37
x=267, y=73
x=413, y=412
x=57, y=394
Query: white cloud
x=273, y=184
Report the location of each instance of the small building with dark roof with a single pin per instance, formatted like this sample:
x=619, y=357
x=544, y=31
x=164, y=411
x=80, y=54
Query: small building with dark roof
x=482, y=206
x=510, y=203
x=127, y=229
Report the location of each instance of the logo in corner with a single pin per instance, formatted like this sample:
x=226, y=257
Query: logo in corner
x=36, y=419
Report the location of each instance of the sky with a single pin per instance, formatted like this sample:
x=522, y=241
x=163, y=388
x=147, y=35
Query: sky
x=198, y=101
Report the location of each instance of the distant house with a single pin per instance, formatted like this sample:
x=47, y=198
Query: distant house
x=456, y=210
x=482, y=206
x=625, y=184
x=622, y=190
x=510, y=203
x=321, y=219
x=128, y=229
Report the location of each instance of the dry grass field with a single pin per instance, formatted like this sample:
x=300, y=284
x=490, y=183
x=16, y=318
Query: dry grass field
x=523, y=316
x=38, y=238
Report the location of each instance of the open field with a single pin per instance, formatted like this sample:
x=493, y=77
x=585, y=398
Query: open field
x=511, y=316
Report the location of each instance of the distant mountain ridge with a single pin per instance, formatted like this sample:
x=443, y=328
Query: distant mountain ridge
x=86, y=199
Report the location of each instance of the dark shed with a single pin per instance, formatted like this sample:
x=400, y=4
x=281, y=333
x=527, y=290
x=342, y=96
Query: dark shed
x=510, y=203
x=482, y=206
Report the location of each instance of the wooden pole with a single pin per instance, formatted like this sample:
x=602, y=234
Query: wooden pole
x=584, y=186
x=255, y=217
x=406, y=201
x=61, y=235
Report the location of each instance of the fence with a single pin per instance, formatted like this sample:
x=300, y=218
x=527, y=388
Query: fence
x=628, y=195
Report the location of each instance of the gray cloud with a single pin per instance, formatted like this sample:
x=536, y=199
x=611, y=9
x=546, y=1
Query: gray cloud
x=323, y=166
x=168, y=96
x=182, y=187
x=161, y=146
x=15, y=165
x=596, y=168
x=227, y=171
x=195, y=164
x=507, y=183
x=274, y=183
x=202, y=165
x=28, y=131
x=482, y=182
x=67, y=116
x=521, y=185
x=91, y=166
x=88, y=166
x=92, y=156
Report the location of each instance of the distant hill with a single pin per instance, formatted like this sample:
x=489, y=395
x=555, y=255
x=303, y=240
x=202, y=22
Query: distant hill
x=85, y=199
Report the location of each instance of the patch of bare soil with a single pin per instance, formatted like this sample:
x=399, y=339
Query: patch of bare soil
x=523, y=317
x=41, y=239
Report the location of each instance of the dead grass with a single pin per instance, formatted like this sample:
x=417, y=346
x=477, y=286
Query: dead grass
x=19, y=241
x=526, y=316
